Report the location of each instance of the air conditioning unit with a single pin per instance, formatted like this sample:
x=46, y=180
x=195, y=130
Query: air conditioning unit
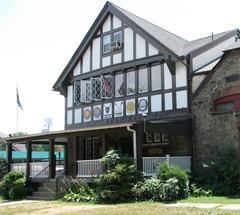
x=116, y=45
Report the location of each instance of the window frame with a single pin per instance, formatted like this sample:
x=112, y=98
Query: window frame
x=128, y=84
x=146, y=80
x=115, y=85
x=103, y=44
x=160, y=74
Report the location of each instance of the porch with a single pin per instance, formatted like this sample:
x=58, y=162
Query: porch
x=148, y=144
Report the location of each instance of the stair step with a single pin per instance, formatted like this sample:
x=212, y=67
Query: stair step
x=47, y=194
x=40, y=198
x=47, y=189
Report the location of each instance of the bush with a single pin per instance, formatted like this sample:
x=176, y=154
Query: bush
x=115, y=185
x=3, y=167
x=157, y=190
x=79, y=191
x=166, y=172
x=196, y=191
x=13, y=186
x=221, y=174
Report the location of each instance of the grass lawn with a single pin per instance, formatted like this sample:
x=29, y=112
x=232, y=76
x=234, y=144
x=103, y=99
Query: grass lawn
x=213, y=199
x=142, y=208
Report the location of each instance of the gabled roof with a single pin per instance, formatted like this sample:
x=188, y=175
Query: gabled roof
x=166, y=41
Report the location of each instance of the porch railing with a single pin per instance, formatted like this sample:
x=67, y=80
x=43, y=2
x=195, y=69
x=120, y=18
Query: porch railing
x=151, y=164
x=40, y=169
x=19, y=167
x=90, y=168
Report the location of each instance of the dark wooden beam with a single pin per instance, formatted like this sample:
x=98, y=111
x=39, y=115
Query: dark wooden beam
x=140, y=141
x=65, y=159
x=29, y=158
x=9, y=156
x=52, y=160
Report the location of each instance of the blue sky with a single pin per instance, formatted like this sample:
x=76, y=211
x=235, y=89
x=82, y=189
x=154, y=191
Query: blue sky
x=38, y=37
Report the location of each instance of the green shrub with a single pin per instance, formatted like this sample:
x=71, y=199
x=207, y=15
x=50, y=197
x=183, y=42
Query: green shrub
x=13, y=186
x=115, y=185
x=196, y=191
x=3, y=167
x=156, y=190
x=79, y=191
x=166, y=172
x=221, y=174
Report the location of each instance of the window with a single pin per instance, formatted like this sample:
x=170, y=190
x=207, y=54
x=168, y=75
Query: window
x=143, y=80
x=85, y=91
x=96, y=88
x=117, y=41
x=107, y=86
x=92, y=150
x=224, y=107
x=131, y=83
x=156, y=77
x=227, y=104
x=106, y=44
x=118, y=85
x=77, y=92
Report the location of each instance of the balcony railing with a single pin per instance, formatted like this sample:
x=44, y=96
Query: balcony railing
x=19, y=167
x=90, y=168
x=151, y=164
x=39, y=169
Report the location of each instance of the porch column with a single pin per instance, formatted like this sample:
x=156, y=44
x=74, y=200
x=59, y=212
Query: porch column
x=29, y=158
x=65, y=159
x=9, y=156
x=140, y=141
x=52, y=163
x=75, y=155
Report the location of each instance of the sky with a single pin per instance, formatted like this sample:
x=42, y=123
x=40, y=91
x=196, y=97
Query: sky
x=38, y=38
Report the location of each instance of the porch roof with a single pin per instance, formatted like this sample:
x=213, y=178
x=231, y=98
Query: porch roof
x=62, y=133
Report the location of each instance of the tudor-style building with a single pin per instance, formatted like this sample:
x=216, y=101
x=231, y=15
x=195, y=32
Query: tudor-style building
x=128, y=86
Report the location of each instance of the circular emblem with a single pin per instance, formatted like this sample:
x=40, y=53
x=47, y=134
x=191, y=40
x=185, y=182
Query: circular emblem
x=97, y=112
x=130, y=107
x=142, y=105
x=87, y=114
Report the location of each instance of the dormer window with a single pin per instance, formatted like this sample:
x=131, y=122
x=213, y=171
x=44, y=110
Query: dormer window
x=227, y=104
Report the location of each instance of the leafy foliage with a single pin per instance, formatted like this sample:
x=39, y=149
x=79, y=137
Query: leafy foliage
x=13, y=186
x=166, y=172
x=79, y=191
x=116, y=184
x=3, y=167
x=221, y=175
x=196, y=191
x=157, y=190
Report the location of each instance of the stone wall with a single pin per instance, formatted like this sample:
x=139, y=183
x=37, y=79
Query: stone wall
x=212, y=131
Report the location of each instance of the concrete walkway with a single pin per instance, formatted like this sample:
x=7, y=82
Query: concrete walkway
x=206, y=206
x=193, y=205
x=10, y=203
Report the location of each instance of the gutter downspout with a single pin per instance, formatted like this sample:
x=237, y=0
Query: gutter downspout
x=134, y=143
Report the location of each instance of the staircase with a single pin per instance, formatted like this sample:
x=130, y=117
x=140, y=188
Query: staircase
x=47, y=191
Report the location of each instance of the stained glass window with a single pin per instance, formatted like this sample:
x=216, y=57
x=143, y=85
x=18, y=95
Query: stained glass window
x=118, y=85
x=107, y=86
x=131, y=83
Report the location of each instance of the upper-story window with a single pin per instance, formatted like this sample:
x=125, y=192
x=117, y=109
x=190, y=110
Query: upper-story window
x=85, y=91
x=107, y=44
x=107, y=86
x=156, y=77
x=118, y=85
x=143, y=80
x=77, y=92
x=227, y=104
x=117, y=41
x=112, y=43
x=96, y=88
x=131, y=83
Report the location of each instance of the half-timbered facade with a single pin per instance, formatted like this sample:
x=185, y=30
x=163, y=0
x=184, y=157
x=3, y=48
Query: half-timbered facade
x=129, y=86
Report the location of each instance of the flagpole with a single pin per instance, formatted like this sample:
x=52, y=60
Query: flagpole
x=17, y=107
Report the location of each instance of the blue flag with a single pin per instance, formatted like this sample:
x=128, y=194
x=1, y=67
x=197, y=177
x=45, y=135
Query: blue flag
x=18, y=101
